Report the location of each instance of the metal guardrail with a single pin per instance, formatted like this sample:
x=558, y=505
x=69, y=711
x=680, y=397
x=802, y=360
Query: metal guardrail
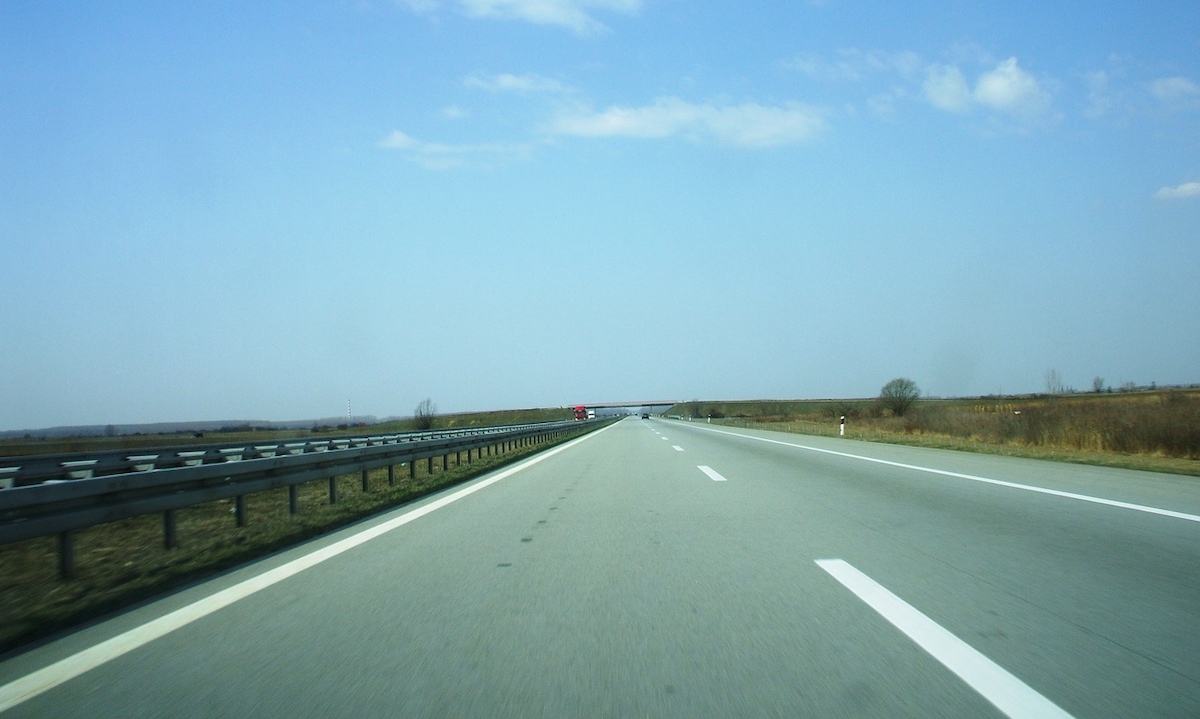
x=19, y=471
x=77, y=491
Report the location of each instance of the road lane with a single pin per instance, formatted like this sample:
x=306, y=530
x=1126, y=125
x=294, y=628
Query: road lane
x=104, y=651
x=614, y=580
x=1083, y=595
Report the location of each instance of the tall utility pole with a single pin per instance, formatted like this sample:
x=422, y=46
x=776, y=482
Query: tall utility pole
x=349, y=416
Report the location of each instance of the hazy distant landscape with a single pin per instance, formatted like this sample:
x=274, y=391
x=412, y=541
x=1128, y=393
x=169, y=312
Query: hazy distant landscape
x=237, y=425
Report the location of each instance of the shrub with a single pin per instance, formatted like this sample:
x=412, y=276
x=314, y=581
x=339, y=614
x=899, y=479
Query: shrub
x=424, y=414
x=899, y=395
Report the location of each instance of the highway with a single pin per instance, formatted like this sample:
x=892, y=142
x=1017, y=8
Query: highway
x=659, y=568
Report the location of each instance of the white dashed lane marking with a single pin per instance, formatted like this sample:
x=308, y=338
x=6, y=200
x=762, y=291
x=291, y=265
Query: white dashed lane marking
x=1009, y=694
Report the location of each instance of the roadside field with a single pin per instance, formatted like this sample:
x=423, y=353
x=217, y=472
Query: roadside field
x=1151, y=430
x=241, y=434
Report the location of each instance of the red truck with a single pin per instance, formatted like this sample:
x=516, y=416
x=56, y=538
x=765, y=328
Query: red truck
x=581, y=412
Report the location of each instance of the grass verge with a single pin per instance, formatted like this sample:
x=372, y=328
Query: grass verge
x=865, y=431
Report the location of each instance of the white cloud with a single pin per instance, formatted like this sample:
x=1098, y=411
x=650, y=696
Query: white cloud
x=422, y=5
x=854, y=65
x=746, y=125
x=441, y=156
x=515, y=83
x=573, y=14
x=1187, y=189
x=1007, y=88
x=399, y=141
x=1011, y=89
x=946, y=88
x=884, y=104
x=1176, y=92
x=1099, y=97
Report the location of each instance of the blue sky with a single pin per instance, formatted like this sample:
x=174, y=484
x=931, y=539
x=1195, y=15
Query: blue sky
x=261, y=210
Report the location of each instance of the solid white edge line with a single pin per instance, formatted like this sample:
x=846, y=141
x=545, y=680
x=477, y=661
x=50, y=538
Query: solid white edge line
x=1009, y=694
x=46, y=678
x=973, y=478
x=713, y=474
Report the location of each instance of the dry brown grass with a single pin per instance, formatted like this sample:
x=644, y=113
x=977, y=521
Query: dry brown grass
x=1155, y=431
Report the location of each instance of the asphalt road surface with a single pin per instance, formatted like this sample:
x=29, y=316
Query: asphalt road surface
x=671, y=569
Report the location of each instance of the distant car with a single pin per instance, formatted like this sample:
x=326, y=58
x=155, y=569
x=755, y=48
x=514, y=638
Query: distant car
x=645, y=415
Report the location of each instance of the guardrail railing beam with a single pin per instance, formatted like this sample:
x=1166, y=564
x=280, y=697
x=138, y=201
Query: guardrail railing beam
x=153, y=481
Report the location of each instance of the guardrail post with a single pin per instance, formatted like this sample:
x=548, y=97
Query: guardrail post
x=334, y=465
x=412, y=469
x=66, y=555
x=169, y=539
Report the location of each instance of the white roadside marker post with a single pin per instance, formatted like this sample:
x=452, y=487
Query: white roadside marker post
x=842, y=427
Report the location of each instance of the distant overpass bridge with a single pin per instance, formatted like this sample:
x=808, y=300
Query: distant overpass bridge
x=652, y=406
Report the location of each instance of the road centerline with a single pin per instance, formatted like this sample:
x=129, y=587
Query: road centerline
x=1005, y=691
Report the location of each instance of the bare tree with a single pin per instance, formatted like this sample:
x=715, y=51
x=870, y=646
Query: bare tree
x=424, y=414
x=1097, y=384
x=899, y=395
x=1054, y=383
